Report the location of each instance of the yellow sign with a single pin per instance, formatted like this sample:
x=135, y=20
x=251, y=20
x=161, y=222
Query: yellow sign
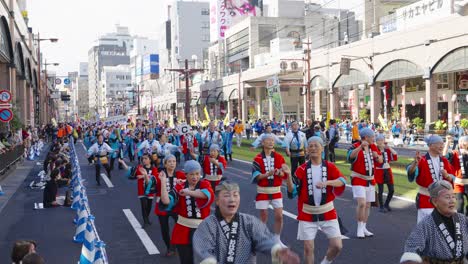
x=226, y=119
x=382, y=122
x=327, y=123
x=207, y=116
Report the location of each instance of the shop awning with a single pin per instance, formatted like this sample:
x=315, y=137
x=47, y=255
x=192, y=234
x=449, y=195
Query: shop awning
x=355, y=77
x=318, y=83
x=211, y=99
x=456, y=60
x=399, y=70
x=220, y=96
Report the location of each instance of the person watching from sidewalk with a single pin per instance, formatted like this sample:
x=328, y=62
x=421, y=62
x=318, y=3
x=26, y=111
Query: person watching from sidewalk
x=33, y=258
x=362, y=156
x=269, y=169
x=50, y=190
x=427, y=169
x=244, y=235
x=316, y=183
x=295, y=143
x=333, y=138
x=238, y=130
x=456, y=132
x=21, y=248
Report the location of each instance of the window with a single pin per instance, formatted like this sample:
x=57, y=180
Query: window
x=238, y=42
x=265, y=34
x=205, y=37
x=205, y=24
x=205, y=12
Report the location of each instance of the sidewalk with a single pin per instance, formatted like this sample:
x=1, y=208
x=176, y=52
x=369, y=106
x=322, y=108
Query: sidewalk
x=12, y=182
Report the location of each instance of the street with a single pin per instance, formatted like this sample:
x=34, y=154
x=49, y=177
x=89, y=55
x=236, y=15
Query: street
x=53, y=229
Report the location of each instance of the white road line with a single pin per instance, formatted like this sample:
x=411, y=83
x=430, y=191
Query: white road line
x=84, y=147
x=107, y=181
x=347, y=185
x=145, y=239
x=293, y=216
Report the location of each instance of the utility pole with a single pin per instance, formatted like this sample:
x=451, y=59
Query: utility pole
x=187, y=73
x=308, y=109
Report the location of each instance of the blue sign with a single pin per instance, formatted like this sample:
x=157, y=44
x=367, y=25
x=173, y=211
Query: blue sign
x=66, y=81
x=151, y=64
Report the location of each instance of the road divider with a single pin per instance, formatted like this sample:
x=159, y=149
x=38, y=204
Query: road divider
x=93, y=249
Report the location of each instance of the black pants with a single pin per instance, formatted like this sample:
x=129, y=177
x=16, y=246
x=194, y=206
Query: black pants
x=461, y=203
x=296, y=162
x=391, y=190
x=185, y=254
x=98, y=172
x=331, y=150
x=112, y=161
x=326, y=151
x=146, y=205
x=164, y=223
x=455, y=144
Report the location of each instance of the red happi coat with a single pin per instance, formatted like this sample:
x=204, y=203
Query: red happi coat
x=455, y=161
x=358, y=165
x=303, y=193
x=258, y=167
x=424, y=179
x=181, y=235
x=207, y=166
x=141, y=182
x=379, y=173
x=170, y=184
x=184, y=141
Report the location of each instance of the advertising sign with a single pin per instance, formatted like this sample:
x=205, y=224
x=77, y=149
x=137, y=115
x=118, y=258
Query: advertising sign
x=151, y=64
x=224, y=13
x=273, y=91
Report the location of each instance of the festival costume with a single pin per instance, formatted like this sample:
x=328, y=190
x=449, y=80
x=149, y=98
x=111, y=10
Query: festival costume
x=268, y=189
x=211, y=172
x=426, y=173
x=438, y=240
x=460, y=166
x=216, y=241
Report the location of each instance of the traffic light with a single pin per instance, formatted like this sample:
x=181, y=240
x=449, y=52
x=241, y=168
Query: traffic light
x=65, y=97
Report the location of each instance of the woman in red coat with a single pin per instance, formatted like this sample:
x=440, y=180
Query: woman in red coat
x=173, y=178
x=145, y=174
x=191, y=200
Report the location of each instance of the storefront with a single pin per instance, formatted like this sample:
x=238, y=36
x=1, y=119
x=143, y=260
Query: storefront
x=403, y=89
x=451, y=77
x=350, y=95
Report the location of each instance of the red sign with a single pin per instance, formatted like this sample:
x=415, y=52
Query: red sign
x=6, y=115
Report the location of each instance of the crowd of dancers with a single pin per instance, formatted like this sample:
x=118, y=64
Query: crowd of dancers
x=155, y=153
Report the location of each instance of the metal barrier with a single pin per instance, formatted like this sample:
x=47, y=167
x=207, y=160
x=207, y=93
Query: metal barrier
x=8, y=159
x=93, y=249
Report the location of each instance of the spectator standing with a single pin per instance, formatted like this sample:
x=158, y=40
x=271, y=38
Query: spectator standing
x=248, y=129
x=238, y=130
x=456, y=132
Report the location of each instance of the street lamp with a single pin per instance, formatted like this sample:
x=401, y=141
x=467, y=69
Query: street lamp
x=39, y=60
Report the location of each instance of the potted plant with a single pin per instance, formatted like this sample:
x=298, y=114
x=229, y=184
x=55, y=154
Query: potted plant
x=440, y=127
x=419, y=123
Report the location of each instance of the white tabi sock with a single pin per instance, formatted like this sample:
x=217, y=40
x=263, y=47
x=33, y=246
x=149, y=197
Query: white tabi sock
x=326, y=261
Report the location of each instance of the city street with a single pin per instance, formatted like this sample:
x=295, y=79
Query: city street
x=53, y=228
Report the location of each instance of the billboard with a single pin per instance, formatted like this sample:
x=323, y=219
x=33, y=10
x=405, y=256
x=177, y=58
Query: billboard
x=151, y=64
x=224, y=13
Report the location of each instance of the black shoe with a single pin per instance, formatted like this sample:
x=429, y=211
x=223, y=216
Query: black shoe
x=98, y=184
x=382, y=210
x=388, y=208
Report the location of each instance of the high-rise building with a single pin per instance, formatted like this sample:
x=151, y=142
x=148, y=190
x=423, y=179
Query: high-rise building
x=116, y=81
x=109, y=50
x=83, y=90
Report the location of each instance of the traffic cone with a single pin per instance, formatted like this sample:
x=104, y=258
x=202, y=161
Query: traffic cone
x=80, y=231
x=88, y=250
x=81, y=215
x=99, y=257
x=76, y=200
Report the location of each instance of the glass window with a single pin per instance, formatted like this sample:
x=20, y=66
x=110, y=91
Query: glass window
x=266, y=33
x=238, y=42
x=205, y=12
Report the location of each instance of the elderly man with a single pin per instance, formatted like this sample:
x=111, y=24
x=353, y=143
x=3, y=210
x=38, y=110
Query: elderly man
x=427, y=169
x=210, y=136
x=269, y=169
x=362, y=156
x=442, y=237
x=317, y=183
x=232, y=237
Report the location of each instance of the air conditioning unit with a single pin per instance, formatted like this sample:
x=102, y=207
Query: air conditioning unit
x=284, y=65
x=294, y=65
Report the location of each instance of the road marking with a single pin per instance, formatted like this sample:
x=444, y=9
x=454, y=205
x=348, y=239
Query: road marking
x=84, y=147
x=107, y=181
x=293, y=216
x=347, y=185
x=145, y=239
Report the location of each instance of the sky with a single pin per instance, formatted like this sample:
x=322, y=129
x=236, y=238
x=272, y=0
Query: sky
x=78, y=23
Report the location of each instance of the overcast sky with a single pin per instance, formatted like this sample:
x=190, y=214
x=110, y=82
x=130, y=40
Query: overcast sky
x=77, y=23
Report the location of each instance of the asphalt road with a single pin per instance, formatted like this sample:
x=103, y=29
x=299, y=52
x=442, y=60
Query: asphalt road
x=53, y=228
